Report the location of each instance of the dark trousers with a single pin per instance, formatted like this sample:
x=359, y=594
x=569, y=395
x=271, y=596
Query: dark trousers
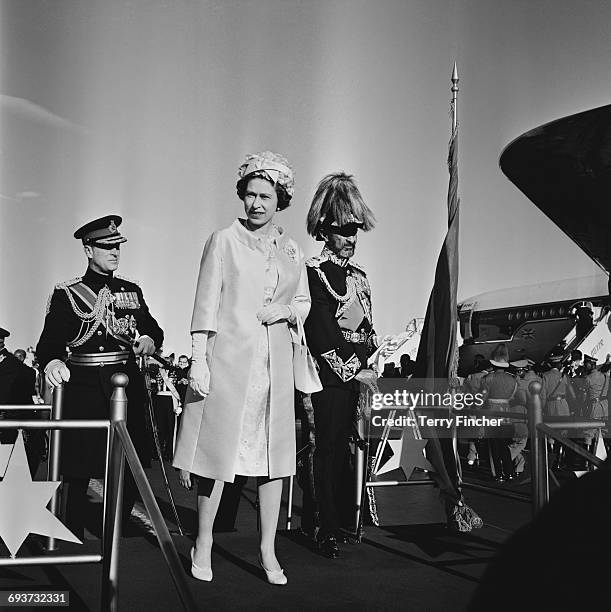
x=76, y=504
x=83, y=451
x=501, y=456
x=333, y=418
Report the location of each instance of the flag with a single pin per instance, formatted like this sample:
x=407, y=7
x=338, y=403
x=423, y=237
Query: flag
x=437, y=349
x=437, y=357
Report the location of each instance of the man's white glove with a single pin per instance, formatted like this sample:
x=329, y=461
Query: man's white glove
x=56, y=373
x=368, y=377
x=144, y=346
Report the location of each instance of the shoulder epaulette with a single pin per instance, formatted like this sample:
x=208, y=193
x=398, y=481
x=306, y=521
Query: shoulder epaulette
x=69, y=283
x=357, y=266
x=314, y=262
x=129, y=280
x=59, y=287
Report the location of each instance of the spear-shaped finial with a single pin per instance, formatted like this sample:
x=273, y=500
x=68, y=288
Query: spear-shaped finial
x=455, y=78
x=454, y=92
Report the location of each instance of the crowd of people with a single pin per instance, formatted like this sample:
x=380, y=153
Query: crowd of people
x=569, y=387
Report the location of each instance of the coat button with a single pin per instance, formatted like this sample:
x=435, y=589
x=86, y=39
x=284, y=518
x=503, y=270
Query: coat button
x=99, y=333
x=100, y=348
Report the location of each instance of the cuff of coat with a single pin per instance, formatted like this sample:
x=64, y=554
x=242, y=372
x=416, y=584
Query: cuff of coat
x=346, y=370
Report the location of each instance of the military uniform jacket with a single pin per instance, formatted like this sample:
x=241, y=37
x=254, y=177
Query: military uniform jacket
x=87, y=394
x=17, y=381
x=341, y=300
x=64, y=328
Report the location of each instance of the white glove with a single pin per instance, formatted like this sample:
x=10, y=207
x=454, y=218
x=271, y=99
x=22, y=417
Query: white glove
x=199, y=373
x=274, y=313
x=144, y=346
x=56, y=373
x=199, y=378
x=369, y=378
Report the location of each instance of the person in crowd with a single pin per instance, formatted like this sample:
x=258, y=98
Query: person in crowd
x=390, y=370
x=182, y=377
x=500, y=387
x=473, y=385
x=574, y=364
x=165, y=402
x=17, y=387
x=406, y=366
x=575, y=370
x=340, y=334
x=596, y=389
x=522, y=370
x=103, y=319
x=20, y=354
x=558, y=392
x=584, y=319
x=251, y=290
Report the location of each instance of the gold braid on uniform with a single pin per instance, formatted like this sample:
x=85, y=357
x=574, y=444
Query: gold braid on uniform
x=89, y=320
x=350, y=287
x=355, y=286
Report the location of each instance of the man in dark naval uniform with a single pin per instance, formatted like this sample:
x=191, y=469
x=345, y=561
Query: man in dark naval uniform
x=18, y=387
x=104, y=322
x=340, y=335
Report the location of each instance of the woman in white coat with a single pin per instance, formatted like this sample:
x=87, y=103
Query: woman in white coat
x=239, y=416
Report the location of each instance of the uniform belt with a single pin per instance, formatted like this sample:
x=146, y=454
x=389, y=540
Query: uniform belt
x=98, y=359
x=557, y=397
x=355, y=337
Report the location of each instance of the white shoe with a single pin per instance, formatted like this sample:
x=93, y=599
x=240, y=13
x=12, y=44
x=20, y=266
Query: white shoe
x=275, y=577
x=201, y=573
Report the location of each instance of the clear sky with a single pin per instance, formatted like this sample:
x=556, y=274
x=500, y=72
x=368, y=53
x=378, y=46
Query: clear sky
x=146, y=109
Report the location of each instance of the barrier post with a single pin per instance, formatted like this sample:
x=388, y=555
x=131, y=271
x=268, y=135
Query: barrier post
x=54, y=455
x=538, y=465
x=289, y=508
x=114, y=495
x=361, y=454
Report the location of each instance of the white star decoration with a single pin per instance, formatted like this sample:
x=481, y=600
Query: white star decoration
x=408, y=453
x=23, y=504
x=5, y=453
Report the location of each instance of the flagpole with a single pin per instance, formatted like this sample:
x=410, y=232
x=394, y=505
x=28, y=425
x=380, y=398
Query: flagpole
x=454, y=109
x=454, y=97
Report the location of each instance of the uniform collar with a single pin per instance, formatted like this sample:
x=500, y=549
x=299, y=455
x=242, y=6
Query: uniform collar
x=95, y=278
x=329, y=255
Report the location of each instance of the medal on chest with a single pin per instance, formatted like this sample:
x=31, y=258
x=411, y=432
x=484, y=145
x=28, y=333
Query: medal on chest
x=126, y=300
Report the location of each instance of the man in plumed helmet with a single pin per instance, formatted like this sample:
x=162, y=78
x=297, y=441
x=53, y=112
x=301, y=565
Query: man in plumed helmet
x=339, y=331
x=103, y=321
